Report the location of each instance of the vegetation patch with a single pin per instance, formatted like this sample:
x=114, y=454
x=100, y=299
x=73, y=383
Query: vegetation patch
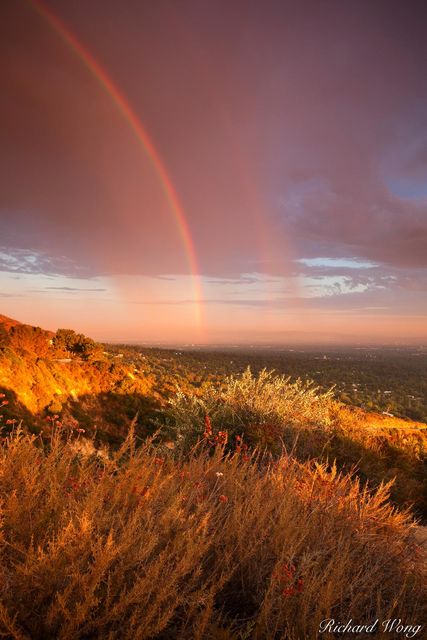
x=135, y=543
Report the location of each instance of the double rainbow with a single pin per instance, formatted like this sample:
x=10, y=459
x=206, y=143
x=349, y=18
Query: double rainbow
x=144, y=140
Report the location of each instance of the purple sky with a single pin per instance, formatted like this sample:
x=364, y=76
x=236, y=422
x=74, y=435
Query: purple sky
x=294, y=133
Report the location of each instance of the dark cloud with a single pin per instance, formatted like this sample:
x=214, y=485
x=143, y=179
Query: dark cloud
x=241, y=109
x=289, y=130
x=373, y=225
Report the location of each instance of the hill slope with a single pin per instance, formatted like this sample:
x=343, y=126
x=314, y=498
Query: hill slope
x=44, y=373
x=247, y=517
x=101, y=390
x=8, y=323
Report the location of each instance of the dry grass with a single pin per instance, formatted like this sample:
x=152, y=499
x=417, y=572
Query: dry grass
x=275, y=414
x=135, y=544
x=246, y=401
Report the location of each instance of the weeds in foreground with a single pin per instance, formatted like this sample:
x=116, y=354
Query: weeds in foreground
x=273, y=413
x=133, y=544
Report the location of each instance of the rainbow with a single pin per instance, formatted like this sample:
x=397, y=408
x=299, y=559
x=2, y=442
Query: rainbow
x=143, y=138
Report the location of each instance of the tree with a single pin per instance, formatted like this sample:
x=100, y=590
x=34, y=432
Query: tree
x=29, y=339
x=4, y=337
x=68, y=341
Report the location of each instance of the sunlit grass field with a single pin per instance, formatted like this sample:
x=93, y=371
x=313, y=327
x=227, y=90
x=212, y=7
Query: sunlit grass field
x=228, y=523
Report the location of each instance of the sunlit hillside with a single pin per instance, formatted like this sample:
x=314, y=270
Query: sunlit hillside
x=141, y=505
x=101, y=389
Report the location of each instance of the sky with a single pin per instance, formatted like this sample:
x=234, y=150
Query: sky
x=215, y=171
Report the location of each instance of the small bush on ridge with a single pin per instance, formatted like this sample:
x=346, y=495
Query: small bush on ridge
x=248, y=401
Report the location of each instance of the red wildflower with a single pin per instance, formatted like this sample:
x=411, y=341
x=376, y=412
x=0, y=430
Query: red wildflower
x=221, y=438
x=288, y=570
x=286, y=575
x=223, y=499
x=208, y=427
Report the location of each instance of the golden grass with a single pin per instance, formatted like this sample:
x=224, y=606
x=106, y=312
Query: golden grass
x=245, y=400
x=276, y=414
x=136, y=544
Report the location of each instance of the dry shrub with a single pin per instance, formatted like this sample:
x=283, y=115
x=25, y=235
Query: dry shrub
x=138, y=545
x=275, y=414
x=262, y=400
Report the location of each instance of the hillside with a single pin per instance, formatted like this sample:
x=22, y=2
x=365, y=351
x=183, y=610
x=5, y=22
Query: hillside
x=8, y=323
x=144, y=498
x=44, y=373
x=101, y=390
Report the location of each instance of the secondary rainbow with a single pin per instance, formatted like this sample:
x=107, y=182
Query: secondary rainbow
x=137, y=127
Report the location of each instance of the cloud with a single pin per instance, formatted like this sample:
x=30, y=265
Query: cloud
x=336, y=263
x=27, y=261
x=74, y=289
x=375, y=227
x=297, y=149
x=338, y=115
